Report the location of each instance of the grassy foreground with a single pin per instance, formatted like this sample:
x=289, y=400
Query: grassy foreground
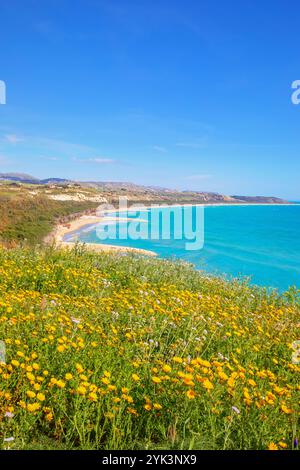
x=112, y=352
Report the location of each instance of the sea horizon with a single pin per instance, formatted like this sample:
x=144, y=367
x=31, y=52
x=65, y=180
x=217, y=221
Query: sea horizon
x=254, y=241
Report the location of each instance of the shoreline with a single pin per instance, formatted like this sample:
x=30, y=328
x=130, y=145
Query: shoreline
x=221, y=204
x=61, y=230
x=140, y=207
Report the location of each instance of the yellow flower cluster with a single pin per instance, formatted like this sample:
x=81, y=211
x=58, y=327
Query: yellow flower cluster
x=95, y=354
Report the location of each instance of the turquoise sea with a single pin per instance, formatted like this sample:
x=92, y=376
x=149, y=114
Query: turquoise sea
x=260, y=242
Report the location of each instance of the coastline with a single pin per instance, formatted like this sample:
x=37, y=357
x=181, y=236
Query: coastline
x=56, y=237
x=221, y=204
x=62, y=229
x=140, y=207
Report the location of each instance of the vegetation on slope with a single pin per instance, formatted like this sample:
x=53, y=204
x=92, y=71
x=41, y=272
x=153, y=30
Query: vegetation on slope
x=112, y=352
x=24, y=218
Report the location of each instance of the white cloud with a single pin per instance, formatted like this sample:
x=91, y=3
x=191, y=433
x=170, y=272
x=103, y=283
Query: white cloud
x=98, y=160
x=3, y=159
x=13, y=138
x=101, y=160
x=59, y=146
x=198, y=177
x=197, y=144
x=159, y=148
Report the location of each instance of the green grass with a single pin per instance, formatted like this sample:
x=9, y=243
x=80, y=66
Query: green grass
x=159, y=356
x=25, y=219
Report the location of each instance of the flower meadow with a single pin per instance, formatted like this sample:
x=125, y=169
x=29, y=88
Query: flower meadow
x=112, y=351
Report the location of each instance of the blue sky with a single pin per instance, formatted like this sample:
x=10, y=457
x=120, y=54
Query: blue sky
x=183, y=94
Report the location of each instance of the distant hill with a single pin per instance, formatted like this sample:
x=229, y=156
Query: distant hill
x=54, y=181
x=260, y=199
x=111, y=190
x=22, y=177
x=121, y=185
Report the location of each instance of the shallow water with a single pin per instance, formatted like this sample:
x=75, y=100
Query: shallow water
x=262, y=242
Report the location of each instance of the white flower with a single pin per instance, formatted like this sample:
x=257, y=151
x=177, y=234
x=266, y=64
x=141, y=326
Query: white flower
x=75, y=320
x=296, y=358
x=8, y=414
x=8, y=439
x=236, y=410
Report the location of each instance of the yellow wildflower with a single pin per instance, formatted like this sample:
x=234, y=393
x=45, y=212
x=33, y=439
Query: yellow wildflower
x=190, y=394
x=93, y=396
x=105, y=381
x=30, y=376
x=285, y=409
x=32, y=407
x=222, y=375
x=49, y=416
x=282, y=444
x=60, y=384
x=252, y=383
x=157, y=406
x=207, y=384
x=272, y=446
x=177, y=359
x=156, y=380
x=41, y=397
x=81, y=390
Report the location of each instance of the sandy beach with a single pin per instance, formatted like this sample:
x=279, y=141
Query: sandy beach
x=57, y=236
